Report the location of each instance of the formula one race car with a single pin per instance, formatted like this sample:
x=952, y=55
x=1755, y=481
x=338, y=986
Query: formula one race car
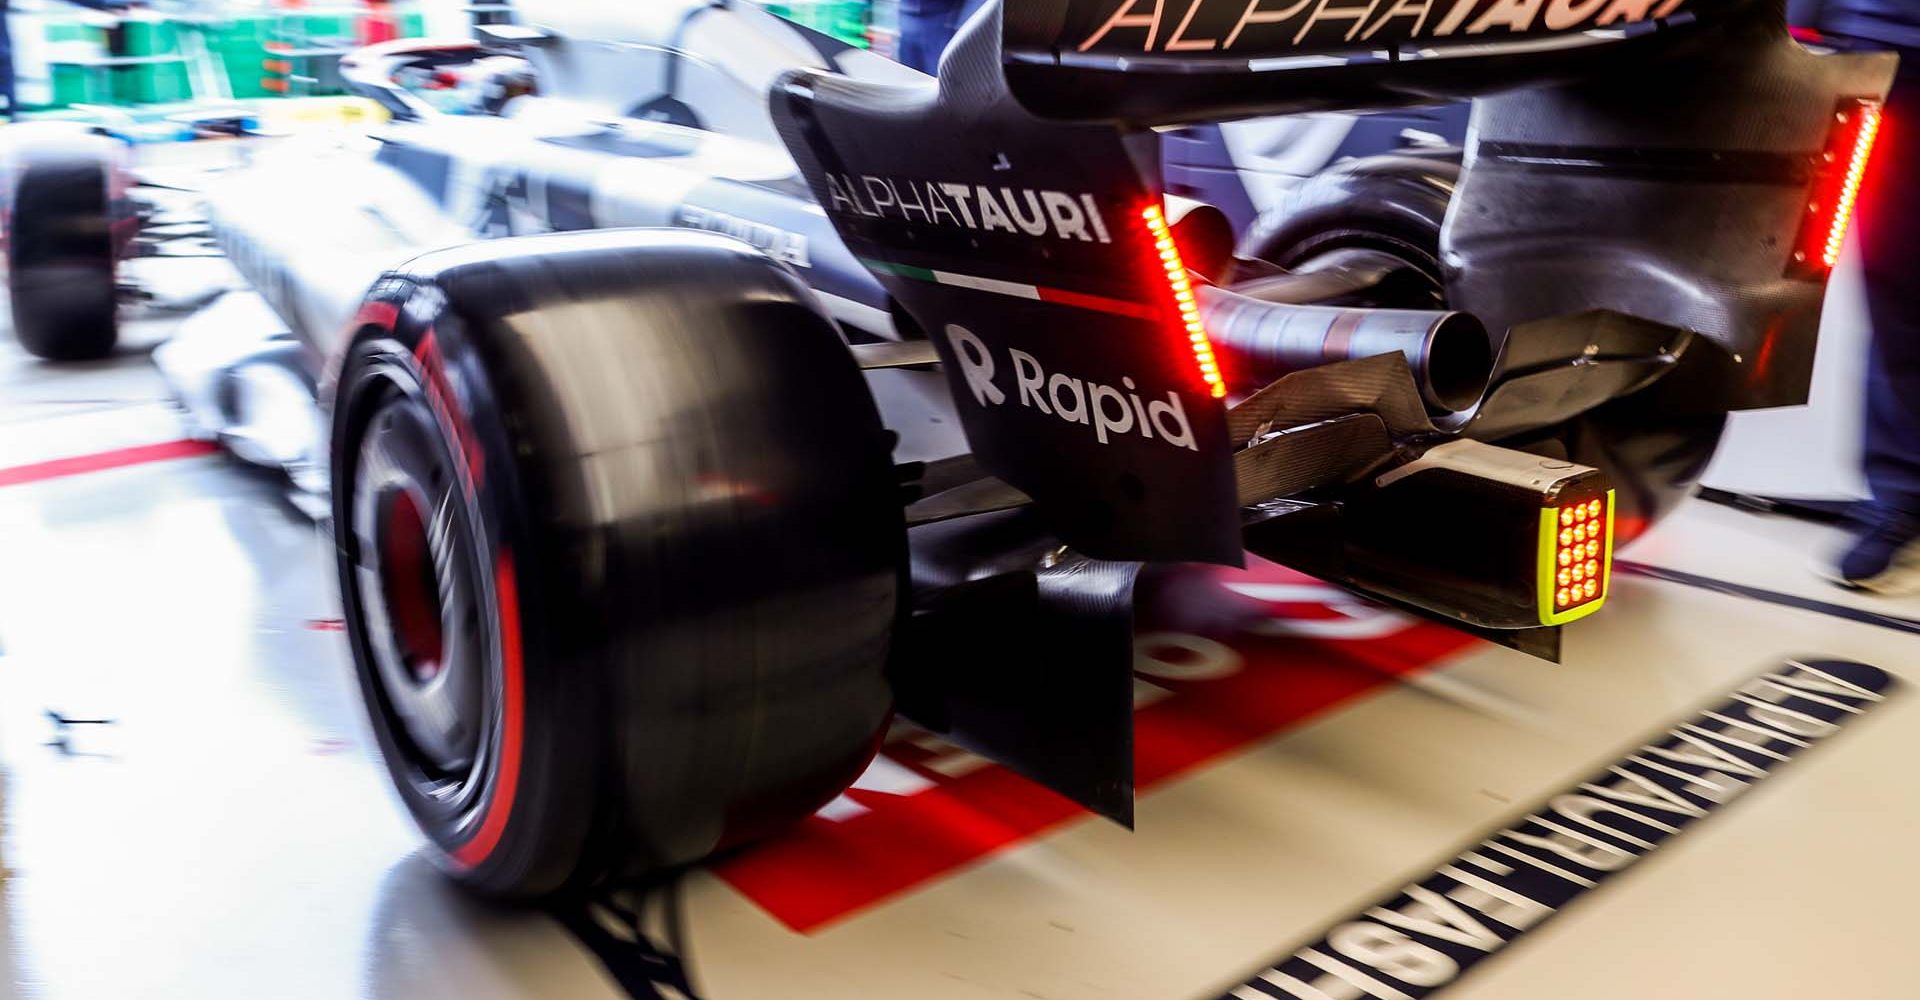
x=643, y=533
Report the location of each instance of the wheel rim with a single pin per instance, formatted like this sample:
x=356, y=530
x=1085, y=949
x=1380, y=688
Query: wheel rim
x=411, y=587
x=421, y=600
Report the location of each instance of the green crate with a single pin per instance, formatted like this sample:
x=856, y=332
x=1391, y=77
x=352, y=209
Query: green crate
x=156, y=83
x=71, y=85
x=324, y=29
x=238, y=46
x=151, y=83
x=843, y=19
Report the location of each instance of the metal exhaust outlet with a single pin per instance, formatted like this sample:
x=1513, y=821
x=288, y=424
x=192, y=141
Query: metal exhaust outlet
x=1259, y=341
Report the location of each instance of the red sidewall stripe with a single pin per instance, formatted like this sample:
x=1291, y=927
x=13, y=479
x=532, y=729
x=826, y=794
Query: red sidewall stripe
x=118, y=458
x=384, y=315
x=440, y=394
x=499, y=805
x=494, y=823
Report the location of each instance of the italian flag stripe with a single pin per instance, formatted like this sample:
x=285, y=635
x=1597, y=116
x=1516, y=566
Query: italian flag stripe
x=1118, y=306
x=1014, y=289
x=900, y=270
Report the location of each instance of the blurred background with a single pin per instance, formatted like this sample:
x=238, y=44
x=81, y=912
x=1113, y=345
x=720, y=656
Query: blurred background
x=193, y=803
x=134, y=66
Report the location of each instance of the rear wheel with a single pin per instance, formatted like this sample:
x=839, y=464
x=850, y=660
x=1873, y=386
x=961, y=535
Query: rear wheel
x=620, y=550
x=1652, y=456
x=62, y=252
x=1387, y=208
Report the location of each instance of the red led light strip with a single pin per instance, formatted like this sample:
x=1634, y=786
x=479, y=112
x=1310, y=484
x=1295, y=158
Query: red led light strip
x=1183, y=298
x=1579, y=555
x=1869, y=128
x=1856, y=125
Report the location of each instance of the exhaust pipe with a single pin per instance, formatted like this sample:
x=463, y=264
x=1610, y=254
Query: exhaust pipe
x=1258, y=341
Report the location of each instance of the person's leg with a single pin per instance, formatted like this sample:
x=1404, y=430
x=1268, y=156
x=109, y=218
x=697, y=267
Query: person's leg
x=6, y=67
x=925, y=27
x=1886, y=554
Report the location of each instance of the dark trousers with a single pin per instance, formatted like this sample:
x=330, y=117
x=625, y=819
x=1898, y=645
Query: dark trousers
x=6, y=65
x=1889, y=225
x=926, y=26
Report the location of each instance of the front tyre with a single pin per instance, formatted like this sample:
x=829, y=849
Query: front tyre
x=65, y=227
x=620, y=551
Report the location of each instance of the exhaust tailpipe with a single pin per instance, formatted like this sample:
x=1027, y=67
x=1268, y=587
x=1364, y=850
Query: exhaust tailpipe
x=1259, y=341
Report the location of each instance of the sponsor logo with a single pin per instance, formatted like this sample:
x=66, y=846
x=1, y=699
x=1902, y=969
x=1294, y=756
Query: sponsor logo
x=1428, y=934
x=1110, y=412
x=969, y=206
x=777, y=243
x=1223, y=25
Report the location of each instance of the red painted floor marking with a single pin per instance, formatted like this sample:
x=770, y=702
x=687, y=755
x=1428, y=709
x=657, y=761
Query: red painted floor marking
x=118, y=458
x=327, y=746
x=1329, y=650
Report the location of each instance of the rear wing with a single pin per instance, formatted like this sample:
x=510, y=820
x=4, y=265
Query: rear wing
x=1169, y=61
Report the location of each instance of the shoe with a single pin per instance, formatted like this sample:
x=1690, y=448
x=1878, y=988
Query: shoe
x=1884, y=556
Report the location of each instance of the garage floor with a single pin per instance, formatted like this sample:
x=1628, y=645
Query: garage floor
x=225, y=831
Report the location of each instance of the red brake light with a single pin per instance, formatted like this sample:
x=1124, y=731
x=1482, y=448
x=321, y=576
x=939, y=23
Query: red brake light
x=1183, y=298
x=1836, y=189
x=1576, y=559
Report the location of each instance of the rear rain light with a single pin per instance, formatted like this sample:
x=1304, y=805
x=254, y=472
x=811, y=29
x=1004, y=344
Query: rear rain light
x=1576, y=558
x=1183, y=298
x=1836, y=187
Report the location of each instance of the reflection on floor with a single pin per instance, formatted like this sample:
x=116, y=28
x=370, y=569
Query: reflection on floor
x=226, y=832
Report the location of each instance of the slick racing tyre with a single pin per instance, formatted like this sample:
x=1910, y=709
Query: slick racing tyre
x=1391, y=206
x=620, y=548
x=62, y=248
x=1652, y=449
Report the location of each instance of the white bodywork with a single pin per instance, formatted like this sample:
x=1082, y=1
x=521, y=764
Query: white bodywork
x=613, y=58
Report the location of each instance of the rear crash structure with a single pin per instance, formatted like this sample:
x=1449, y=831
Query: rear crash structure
x=636, y=569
